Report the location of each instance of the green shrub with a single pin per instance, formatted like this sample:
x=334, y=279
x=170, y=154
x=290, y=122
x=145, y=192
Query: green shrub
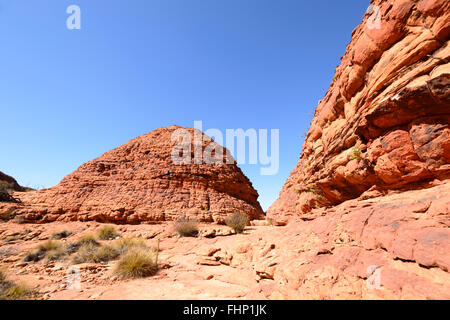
x=186, y=228
x=237, y=221
x=356, y=154
x=61, y=235
x=137, y=263
x=107, y=233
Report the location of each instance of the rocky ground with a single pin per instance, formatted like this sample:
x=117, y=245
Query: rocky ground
x=401, y=240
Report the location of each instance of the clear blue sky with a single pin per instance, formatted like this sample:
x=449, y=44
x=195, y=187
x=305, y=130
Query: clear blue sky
x=67, y=96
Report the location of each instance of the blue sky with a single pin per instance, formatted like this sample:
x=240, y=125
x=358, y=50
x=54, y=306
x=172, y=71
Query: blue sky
x=67, y=96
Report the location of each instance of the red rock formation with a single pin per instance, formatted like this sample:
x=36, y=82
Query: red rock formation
x=369, y=198
x=9, y=183
x=384, y=122
x=139, y=182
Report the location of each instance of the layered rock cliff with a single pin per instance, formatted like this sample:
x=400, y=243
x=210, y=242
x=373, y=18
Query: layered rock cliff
x=139, y=182
x=7, y=185
x=384, y=122
x=369, y=200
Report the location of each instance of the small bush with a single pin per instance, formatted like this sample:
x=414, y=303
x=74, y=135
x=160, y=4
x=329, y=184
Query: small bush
x=356, y=154
x=186, y=228
x=56, y=254
x=125, y=244
x=61, y=235
x=12, y=291
x=137, y=263
x=237, y=221
x=107, y=233
x=72, y=247
x=86, y=253
x=15, y=292
x=88, y=239
x=51, y=250
x=106, y=253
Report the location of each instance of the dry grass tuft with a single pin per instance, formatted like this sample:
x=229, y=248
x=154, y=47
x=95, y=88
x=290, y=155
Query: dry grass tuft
x=61, y=235
x=237, y=221
x=88, y=239
x=12, y=291
x=52, y=250
x=186, y=228
x=107, y=233
x=137, y=263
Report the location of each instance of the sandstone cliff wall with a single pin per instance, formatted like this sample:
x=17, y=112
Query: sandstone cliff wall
x=384, y=122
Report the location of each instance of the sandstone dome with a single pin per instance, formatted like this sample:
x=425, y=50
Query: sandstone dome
x=139, y=182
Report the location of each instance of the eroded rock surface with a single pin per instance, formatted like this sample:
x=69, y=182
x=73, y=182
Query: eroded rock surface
x=392, y=247
x=139, y=182
x=384, y=122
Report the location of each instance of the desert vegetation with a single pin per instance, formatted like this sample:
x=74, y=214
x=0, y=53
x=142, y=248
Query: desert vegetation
x=107, y=233
x=52, y=250
x=61, y=235
x=137, y=263
x=186, y=227
x=237, y=221
x=9, y=290
x=356, y=154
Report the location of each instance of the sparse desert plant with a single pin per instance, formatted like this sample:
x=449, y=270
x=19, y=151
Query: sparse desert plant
x=107, y=233
x=52, y=250
x=186, y=228
x=88, y=239
x=124, y=244
x=356, y=154
x=86, y=253
x=61, y=235
x=237, y=221
x=72, y=247
x=15, y=292
x=95, y=254
x=137, y=263
x=12, y=291
x=106, y=253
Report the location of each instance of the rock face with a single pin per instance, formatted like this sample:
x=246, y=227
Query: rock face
x=368, y=202
x=8, y=184
x=139, y=182
x=384, y=122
